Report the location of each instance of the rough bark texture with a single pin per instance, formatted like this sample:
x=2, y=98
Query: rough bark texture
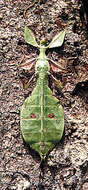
x=66, y=166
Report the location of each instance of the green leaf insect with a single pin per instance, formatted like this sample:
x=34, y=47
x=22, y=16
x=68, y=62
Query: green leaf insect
x=42, y=116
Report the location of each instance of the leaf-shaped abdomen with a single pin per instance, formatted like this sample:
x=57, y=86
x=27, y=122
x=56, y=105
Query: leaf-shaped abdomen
x=53, y=120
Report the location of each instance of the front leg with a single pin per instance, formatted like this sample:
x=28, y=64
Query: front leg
x=56, y=67
x=28, y=65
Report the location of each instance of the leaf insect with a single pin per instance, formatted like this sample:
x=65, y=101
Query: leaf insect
x=42, y=115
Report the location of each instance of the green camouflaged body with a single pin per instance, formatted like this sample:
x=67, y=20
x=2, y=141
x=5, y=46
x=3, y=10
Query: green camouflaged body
x=42, y=116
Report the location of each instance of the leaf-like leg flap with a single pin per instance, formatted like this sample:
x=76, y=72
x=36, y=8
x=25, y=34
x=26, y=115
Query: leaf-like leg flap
x=57, y=83
x=56, y=67
x=58, y=40
x=28, y=65
x=29, y=37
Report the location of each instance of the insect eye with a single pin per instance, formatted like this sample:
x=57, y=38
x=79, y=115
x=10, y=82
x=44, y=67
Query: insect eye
x=51, y=115
x=43, y=42
x=32, y=115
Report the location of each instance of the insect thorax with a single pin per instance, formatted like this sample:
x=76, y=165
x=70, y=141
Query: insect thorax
x=42, y=65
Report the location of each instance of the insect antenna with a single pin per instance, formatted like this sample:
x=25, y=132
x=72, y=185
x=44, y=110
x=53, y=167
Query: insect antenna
x=30, y=6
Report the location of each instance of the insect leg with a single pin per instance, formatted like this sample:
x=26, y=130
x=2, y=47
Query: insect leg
x=28, y=65
x=26, y=85
x=56, y=67
x=58, y=84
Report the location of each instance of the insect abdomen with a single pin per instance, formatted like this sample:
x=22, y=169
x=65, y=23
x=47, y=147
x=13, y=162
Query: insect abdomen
x=31, y=121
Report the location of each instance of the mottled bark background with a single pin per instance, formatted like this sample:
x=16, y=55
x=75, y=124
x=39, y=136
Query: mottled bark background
x=66, y=166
